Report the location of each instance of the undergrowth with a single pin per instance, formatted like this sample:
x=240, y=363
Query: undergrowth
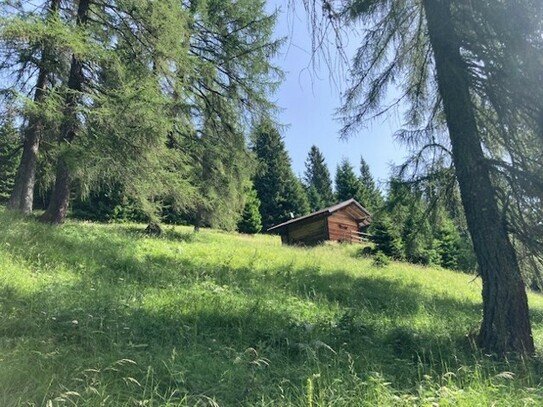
x=102, y=315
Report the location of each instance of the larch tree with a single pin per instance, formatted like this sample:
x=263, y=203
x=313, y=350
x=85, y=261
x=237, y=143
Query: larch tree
x=231, y=84
x=506, y=323
x=45, y=35
x=58, y=205
x=443, y=57
x=135, y=86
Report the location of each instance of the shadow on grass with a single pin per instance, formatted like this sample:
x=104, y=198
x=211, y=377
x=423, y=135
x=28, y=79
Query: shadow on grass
x=214, y=313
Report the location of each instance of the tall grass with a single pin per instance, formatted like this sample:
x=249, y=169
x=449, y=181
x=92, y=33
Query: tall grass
x=102, y=315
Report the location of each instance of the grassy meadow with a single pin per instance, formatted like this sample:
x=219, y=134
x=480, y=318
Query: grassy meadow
x=102, y=315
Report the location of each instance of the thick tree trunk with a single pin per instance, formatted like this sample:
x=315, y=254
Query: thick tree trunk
x=22, y=196
x=58, y=205
x=506, y=324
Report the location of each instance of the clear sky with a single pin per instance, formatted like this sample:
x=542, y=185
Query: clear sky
x=309, y=99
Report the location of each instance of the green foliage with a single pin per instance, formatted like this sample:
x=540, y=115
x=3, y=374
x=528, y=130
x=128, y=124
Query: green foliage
x=386, y=236
x=426, y=230
x=10, y=147
x=314, y=199
x=161, y=111
x=380, y=259
x=317, y=181
x=279, y=190
x=370, y=196
x=251, y=220
x=107, y=206
x=448, y=246
x=347, y=183
x=103, y=315
x=221, y=169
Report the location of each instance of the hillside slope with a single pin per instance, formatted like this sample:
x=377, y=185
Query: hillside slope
x=96, y=315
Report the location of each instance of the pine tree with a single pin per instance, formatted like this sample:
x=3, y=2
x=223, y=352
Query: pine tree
x=317, y=180
x=347, y=183
x=280, y=192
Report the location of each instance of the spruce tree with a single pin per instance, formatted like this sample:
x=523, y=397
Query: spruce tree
x=371, y=197
x=279, y=190
x=314, y=199
x=317, y=180
x=386, y=236
x=10, y=146
x=347, y=183
x=251, y=220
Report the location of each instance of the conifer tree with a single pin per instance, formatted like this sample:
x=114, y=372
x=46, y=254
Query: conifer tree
x=251, y=220
x=386, y=236
x=314, y=199
x=46, y=32
x=56, y=211
x=371, y=197
x=347, y=183
x=410, y=213
x=139, y=76
x=451, y=56
x=10, y=146
x=221, y=171
x=317, y=180
x=279, y=190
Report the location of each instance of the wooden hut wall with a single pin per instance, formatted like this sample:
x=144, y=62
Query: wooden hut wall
x=310, y=231
x=342, y=226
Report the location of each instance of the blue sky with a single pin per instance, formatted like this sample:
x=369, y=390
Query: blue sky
x=309, y=99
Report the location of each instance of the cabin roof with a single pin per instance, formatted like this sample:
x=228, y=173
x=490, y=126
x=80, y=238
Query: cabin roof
x=326, y=212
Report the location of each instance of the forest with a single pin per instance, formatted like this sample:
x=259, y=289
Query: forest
x=162, y=114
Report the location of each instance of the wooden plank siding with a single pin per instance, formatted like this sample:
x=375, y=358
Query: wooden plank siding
x=311, y=231
x=341, y=225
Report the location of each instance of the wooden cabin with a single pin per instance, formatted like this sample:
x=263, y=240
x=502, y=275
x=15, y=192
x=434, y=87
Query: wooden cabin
x=344, y=222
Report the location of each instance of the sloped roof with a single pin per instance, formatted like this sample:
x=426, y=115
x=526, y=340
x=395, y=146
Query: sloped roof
x=325, y=211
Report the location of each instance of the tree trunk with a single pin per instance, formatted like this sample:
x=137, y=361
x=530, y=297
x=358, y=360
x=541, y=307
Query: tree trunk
x=22, y=196
x=58, y=206
x=506, y=324
x=60, y=199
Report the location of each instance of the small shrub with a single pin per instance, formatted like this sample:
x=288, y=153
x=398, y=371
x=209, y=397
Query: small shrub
x=380, y=259
x=365, y=251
